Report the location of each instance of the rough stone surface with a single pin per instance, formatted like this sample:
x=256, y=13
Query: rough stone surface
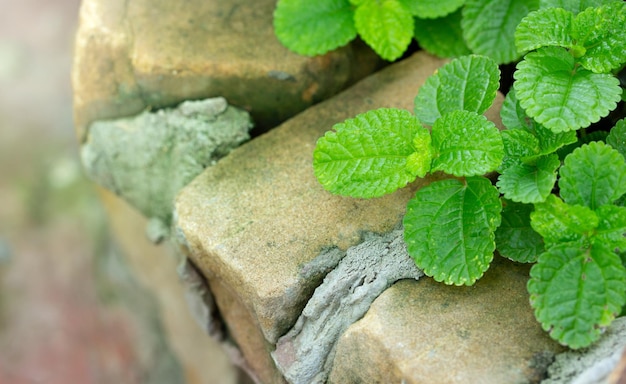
x=592, y=365
x=305, y=354
x=256, y=220
x=148, y=158
x=136, y=54
x=425, y=332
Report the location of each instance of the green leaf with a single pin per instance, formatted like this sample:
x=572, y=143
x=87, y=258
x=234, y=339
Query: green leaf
x=386, y=26
x=545, y=27
x=558, y=222
x=577, y=291
x=314, y=28
x=449, y=229
x=602, y=31
x=431, y=9
x=489, y=26
x=593, y=175
x=611, y=229
x=549, y=142
x=466, y=144
x=519, y=145
x=515, y=238
x=525, y=183
x=372, y=154
x=560, y=95
x=574, y=6
x=514, y=117
x=467, y=83
x=443, y=36
x=617, y=137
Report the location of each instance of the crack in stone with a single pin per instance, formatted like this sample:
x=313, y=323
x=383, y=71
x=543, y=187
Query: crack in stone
x=305, y=354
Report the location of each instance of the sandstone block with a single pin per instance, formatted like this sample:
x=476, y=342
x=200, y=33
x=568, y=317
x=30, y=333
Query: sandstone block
x=257, y=221
x=426, y=332
x=138, y=54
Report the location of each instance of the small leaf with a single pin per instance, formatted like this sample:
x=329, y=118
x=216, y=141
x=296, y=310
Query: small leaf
x=515, y=238
x=560, y=96
x=545, y=27
x=443, y=36
x=611, y=229
x=386, y=26
x=449, y=229
x=467, y=83
x=602, y=31
x=558, y=222
x=525, y=183
x=314, y=28
x=519, y=144
x=550, y=142
x=617, y=137
x=372, y=154
x=489, y=26
x=593, y=175
x=574, y=6
x=577, y=292
x=431, y=9
x=514, y=117
x=466, y=144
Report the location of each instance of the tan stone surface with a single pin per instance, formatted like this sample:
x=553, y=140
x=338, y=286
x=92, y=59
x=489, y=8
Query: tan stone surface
x=202, y=359
x=137, y=54
x=258, y=216
x=426, y=332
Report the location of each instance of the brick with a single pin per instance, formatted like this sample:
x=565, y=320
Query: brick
x=426, y=332
x=257, y=219
x=131, y=55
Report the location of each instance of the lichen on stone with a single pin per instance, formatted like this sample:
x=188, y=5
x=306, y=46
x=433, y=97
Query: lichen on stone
x=148, y=158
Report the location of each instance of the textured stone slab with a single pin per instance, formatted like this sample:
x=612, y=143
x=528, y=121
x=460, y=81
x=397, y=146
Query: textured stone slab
x=426, y=332
x=136, y=54
x=257, y=220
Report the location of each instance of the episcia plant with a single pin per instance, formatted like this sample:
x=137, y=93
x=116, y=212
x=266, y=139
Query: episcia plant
x=558, y=208
x=445, y=28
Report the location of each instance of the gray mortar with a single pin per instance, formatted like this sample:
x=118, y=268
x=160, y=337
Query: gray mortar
x=305, y=354
x=148, y=158
x=590, y=365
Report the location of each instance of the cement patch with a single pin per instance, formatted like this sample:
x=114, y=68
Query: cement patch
x=148, y=158
x=305, y=354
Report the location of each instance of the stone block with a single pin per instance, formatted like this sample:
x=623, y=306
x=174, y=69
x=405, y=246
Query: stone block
x=426, y=332
x=257, y=221
x=132, y=55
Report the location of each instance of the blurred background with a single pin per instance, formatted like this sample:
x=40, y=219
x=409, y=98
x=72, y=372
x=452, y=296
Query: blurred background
x=54, y=327
x=65, y=291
